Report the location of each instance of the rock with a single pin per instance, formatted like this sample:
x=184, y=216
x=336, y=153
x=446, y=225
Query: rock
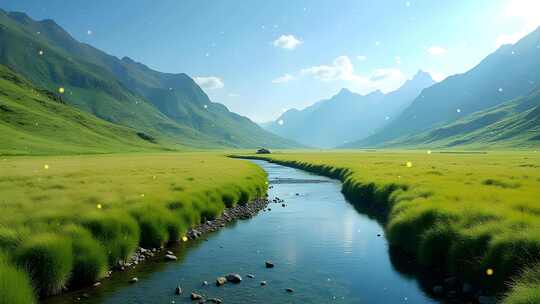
x=289, y=290
x=215, y=300
x=195, y=296
x=486, y=300
x=250, y=276
x=282, y=205
x=263, y=151
x=134, y=280
x=263, y=283
x=170, y=257
x=205, y=283
x=178, y=290
x=221, y=281
x=97, y=284
x=438, y=290
x=378, y=234
x=234, y=278
x=269, y=264
x=297, y=194
x=169, y=252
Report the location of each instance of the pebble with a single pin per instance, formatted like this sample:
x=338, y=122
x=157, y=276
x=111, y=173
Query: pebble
x=263, y=283
x=269, y=264
x=234, y=278
x=134, y=280
x=195, y=296
x=170, y=257
x=289, y=290
x=205, y=283
x=220, y=281
x=250, y=276
x=178, y=290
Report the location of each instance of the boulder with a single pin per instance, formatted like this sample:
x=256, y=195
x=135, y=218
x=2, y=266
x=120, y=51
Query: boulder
x=178, y=290
x=289, y=290
x=134, y=280
x=269, y=264
x=263, y=283
x=195, y=296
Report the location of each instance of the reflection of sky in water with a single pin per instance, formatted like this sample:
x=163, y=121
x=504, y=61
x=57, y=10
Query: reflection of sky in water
x=321, y=246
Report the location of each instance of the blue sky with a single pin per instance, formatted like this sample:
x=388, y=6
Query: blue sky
x=261, y=57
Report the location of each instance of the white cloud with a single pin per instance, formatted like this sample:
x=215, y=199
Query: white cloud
x=341, y=69
x=436, y=50
x=527, y=12
x=233, y=95
x=283, y=79
x=361, y=57
x=288, y=42
x=210, y=82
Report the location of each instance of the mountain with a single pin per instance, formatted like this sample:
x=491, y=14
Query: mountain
x=35, y=121
x=513, y=124
x=511, y=72
x=171, y=108
x=346, y=116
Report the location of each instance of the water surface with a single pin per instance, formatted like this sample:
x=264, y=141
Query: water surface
x=322, y=248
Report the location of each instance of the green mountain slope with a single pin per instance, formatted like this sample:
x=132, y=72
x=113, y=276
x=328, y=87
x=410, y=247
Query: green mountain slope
x=347, y=116
x=512, y=124
x=510, y=72
x=35, y=121
x=169, y=107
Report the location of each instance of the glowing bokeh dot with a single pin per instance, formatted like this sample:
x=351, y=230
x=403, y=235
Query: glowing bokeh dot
x=428, y=151
x=99, y=206
x=409, y=164
x=489, y=271
x=45, y=167
x=61, y=90
x=184, y=238
x=40, y=53
x=280, y=122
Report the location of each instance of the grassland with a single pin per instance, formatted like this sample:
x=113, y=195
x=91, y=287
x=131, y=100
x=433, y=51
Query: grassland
x=473, y=215
x=65, y=220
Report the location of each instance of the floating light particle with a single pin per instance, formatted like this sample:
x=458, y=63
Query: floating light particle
x=428, y=151
x=142, y=194
x=408, y=164
x=89, y=32
x=458, y=110
x=99, y=206
x=377, y=43
x=280, y=122
x=387, y=118
x=489, y=272
x=500, y=89
x=184, y=238
x=46, y=167
x=154, y=177
x=40, y=52
x=206, y=106
x=407, y=4
x=61, y=90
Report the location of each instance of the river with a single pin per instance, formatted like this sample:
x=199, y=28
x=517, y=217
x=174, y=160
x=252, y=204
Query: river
x=321, y=247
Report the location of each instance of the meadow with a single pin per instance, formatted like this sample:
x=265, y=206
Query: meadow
x=66, y=220
x=475, y=216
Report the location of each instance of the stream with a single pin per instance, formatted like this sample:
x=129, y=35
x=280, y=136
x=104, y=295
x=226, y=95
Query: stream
x=322, y=247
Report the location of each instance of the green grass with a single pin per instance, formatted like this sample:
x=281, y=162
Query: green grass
x=15, y=286
x=66, y=219
x=464, y=213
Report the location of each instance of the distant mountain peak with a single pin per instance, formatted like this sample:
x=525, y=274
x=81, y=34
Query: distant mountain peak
x=422, y=75
x=344, y=91
x=375, y=93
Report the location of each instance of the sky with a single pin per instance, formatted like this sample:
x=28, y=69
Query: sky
x=261, y=57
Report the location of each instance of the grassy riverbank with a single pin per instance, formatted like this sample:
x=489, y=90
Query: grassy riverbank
x=65, y=220
x=473, y=215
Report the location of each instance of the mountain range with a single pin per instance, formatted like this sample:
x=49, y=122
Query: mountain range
x=347, y=116
x=169, y=108
x=493, y=104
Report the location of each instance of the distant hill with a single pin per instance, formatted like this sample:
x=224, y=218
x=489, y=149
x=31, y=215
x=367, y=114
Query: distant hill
x=513, y=124
x=35, y=121
x=346, y=116
x=511, y=72
x=170, y=107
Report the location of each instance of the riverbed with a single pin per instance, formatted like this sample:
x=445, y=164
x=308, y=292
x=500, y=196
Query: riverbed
x=322, y=248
